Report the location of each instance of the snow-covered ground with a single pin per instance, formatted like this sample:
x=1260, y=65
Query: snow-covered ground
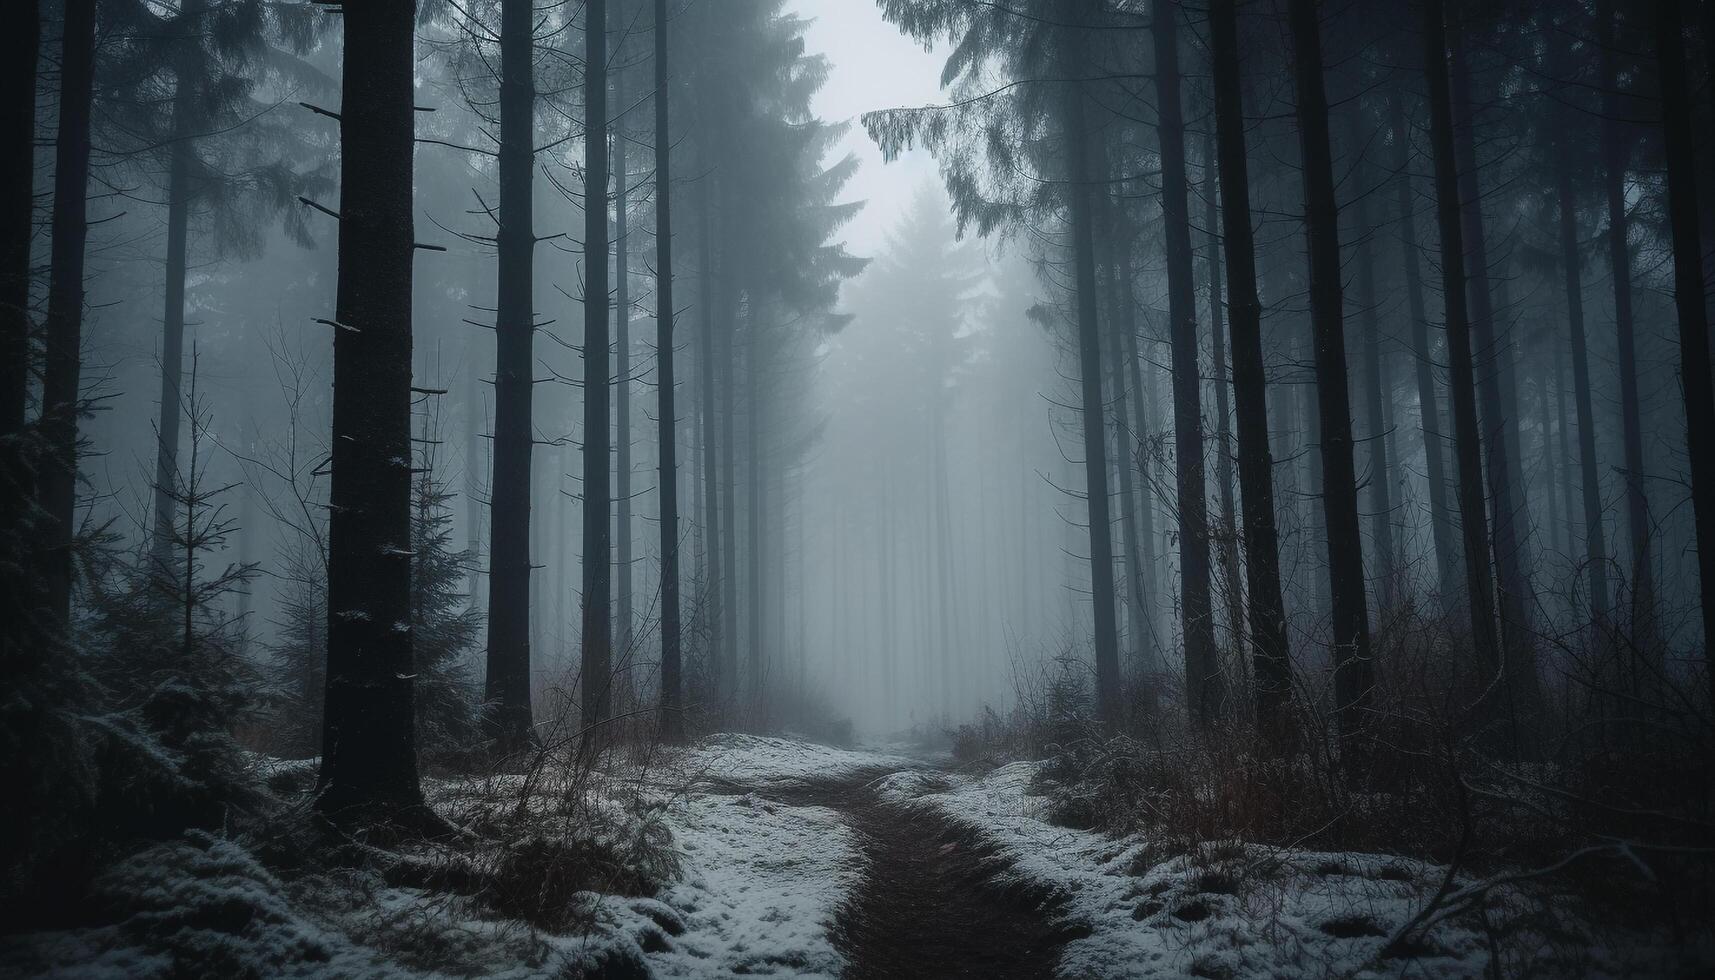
x=761, y=883
x=1232, y=910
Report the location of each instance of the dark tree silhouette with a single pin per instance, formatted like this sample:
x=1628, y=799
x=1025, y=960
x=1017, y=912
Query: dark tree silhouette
x=1079, y=177
x=369, y=745
x=1688, y=300
x=1269, y=666
x=63, y=352
x=506, y=689
x=1467, y=436
x=1351, y=619
x=1203, y=683
x=597, y=632
x=672, y=722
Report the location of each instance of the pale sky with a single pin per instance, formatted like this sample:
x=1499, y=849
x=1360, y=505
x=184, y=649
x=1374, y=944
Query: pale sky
x=874, y=67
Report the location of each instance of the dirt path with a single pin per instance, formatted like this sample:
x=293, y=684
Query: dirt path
x=932, y=904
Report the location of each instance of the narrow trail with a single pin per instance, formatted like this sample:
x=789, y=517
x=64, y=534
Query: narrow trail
x=932, y=903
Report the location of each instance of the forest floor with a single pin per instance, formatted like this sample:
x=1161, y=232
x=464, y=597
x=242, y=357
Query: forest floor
x=777, y=857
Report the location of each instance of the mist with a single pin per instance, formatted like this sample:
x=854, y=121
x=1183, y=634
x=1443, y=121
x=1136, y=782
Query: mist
x=832, y=488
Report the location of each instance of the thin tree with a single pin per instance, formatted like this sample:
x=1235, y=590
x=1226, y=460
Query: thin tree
x=369, y=760
x=1377, y=390
x=62, y=364
x=1428, y=399
x=1571, y=264
x=1229, y=539
x=17, y=227
x=187, y=68
x=1616, y=153
x=672, y=724
x=1351, y=618
x=1079, y=175
x=506, y=688
x=597, y=631
x=1467, y=433
x=1695, y=377
x=714, y=603
x=1203, y=683
x=1269, y=666
x=1495, y=386
x=622, y=371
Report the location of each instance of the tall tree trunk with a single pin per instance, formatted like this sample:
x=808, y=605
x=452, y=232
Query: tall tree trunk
x=1149, y=655
x=1377, y=389
x=187, y=66
x=1128, y=493
x=727, y=309
x=19, y=650
x=1229, y=541
x=1571, y=264
x=622, y=384
x=672, y=724
x=1688, y=303
x=1565, y=484
x=1351, y=618
x=1467, y=433
x=1615, y=160
x=1079, y=175
x=755, y=503
x=1269, y=665
x=62, y=365
x=1429, y=404
x=713, y=600
x=507, y=688
x=369, y=746
x=1203, y=681
x=1499, y=412
x=597, y=632
x=17, y=225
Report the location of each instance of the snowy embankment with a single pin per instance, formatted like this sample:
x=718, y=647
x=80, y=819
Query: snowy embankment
x=758, y=887
x=1235, y=910
x=758, y=880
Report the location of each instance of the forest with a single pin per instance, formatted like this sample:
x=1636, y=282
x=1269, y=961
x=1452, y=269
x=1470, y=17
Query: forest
x=857, y=488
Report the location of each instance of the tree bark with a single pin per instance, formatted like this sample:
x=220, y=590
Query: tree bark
x=1270, y=667
x=1377, y=389
x=1428, y=402
x=672, y=722
x=622, y=380
x=1135, y=622
x=1615, y=160
x=1079, y=175
x=1467, y=432
x=17, y=225
x=1203, y=682
x=62, y=365
x=1571, y=264
x=713, y=601
x=597, y=632
x=1229, y=540
x=1509, y=515
x=1148, y=652
x=1351, y=627
x=369, y=761
x=181, y=157
x=1688, y=303
x=507, y=688
x=756, y=492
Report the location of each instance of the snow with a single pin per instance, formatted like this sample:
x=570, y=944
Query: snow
x=760, y=884
x=761, y=761
x=1236, y=910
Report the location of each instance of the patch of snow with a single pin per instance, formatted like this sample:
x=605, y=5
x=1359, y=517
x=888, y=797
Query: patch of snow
x=1234, y=910
x=757, y=760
